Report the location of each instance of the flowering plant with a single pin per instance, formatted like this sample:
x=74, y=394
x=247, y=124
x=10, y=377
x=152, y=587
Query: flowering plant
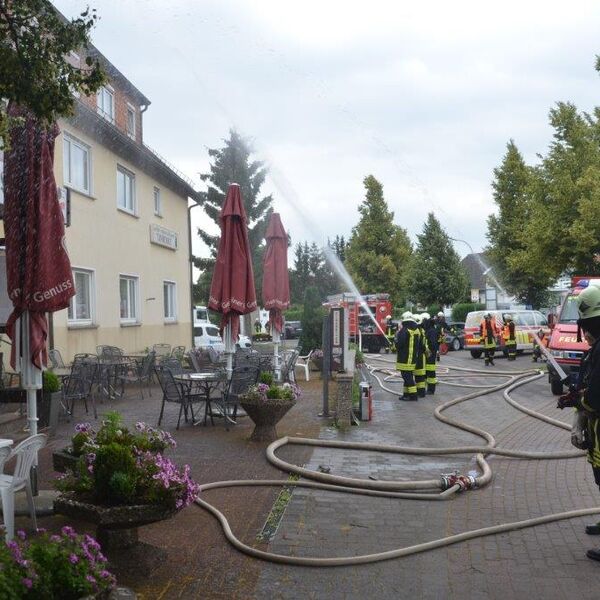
x=116, y=466
x=263, y=393
x=66, y=566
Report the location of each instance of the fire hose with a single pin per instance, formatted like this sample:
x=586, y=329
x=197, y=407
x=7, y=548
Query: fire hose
x=443, y=488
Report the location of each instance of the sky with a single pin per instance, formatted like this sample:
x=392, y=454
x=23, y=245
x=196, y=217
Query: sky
x=422, y=95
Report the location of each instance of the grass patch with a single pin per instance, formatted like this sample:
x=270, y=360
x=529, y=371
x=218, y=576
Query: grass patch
x=271, y=525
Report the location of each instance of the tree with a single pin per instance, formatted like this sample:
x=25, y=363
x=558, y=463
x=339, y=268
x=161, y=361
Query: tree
x=312, y=321
x=378, y=251
x=311, y=269
x=513, y=187
x=34, y=40
x=232, y=164
x=435, y=274
x=339, y=247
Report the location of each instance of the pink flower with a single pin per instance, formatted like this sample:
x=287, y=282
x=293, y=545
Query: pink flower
x=27, y=582
x=73, y=559
x=22, y=534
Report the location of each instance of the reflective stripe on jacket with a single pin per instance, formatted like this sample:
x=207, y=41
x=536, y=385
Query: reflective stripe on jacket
x=407, y=347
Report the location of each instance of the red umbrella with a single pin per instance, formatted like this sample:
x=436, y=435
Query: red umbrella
x=276, y=281
x=39, y=275
x=232, y=290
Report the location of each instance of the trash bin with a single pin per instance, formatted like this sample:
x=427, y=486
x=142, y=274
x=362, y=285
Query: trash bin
x=366, y=401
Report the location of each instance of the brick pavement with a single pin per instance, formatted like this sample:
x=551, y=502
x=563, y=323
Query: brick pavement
x=547, y=561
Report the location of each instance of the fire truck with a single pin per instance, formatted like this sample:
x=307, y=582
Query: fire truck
x=366, y=329
x=564, y=344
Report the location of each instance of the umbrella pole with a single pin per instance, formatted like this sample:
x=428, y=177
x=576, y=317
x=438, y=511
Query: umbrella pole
x=229, y=349
x=31, y=381
x=276, y=363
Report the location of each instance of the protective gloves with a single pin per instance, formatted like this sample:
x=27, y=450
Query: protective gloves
x=577, y=430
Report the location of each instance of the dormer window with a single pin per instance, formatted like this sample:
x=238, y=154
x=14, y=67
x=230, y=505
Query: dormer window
x=106, y=103
x=130, y=121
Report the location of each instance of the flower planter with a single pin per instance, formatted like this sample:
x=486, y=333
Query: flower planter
x=318, y=363
x=265, y=416
x=63, y=460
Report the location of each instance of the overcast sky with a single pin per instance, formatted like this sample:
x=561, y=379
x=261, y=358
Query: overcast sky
x=423, y=95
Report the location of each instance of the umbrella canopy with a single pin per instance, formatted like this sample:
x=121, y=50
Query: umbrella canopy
x=39, y=275
x=276, y=281
x=232, y=290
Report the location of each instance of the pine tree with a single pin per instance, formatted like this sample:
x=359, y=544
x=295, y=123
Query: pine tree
x=378, y=251
x=232, y=164
x=312, y=321
x=435, y=275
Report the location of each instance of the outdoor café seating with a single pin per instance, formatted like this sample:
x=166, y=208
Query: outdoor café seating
x=140, y=373
x=241, y=379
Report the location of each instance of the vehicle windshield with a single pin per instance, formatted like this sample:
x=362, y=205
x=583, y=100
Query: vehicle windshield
x=569, y=313
x=213, y=331
x=474, y=319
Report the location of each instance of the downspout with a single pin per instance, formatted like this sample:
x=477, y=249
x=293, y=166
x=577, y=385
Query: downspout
x=191, y=261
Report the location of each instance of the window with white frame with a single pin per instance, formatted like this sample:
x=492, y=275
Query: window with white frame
x=76, y=164
x=130, y=121
x=126, y=190
x=170, y=300
x=157, y=202
x=81, y=307
x=129, y=298
x=105, y=100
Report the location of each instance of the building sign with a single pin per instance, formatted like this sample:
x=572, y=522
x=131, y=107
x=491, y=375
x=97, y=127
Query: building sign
x=64, y=201
x=337, y=336
x=163, y=237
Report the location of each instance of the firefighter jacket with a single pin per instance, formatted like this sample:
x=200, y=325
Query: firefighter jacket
x=508, y=332
x=589, y=381
x=440, y=326
x=488, y=331
x=408, y=343
x=431, y=334
x=422, y=350
x=390, y=331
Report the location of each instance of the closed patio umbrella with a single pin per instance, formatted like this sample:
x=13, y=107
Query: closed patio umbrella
x=276, y=281
x=39, y=276
x=232, y=291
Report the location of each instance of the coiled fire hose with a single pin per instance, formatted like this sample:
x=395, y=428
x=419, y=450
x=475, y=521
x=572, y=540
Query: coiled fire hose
x=446, y=486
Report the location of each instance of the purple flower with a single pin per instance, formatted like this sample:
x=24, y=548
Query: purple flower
x=105, y=574
x=68, y=531
x=73, y=559
x=27, y=582
x=55, y=538
x=83, y=428
x=22, y=534
x=90, y=578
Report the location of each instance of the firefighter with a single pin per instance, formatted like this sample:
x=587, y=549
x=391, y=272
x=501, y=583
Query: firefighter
x=431, y=335
x=440, y=325
x=488, y=330
x=585, y=432
x=510, y=341
x=407, y=340
x=390, y=333
x=537, y=343
x=420, y=358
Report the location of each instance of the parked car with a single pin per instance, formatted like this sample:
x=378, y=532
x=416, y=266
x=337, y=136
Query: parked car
x=455, y=336
x=208, y=335
x=244, y=342
x=292, y=329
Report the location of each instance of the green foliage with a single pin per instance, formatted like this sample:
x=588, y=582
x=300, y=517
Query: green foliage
x=266, y=378
x=435, y=274
x=311, y=269
x=434, y=309
x=113, y=459
x=50, y=382
x=123, y=487
x=378, y=251
x=34, y=40
x=312, y=321
x=232, y=164
x=66, y=566
x=460, y=311
x=294, y=312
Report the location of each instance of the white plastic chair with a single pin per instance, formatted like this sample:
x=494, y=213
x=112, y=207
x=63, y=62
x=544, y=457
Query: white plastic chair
x=304, y=362
x=25, y=452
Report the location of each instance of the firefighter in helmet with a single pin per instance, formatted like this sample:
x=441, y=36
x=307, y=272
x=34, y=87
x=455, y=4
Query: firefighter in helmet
x=407, y=341
x=585, y=432
x=420, y=358
x=510, y=340
x=390, y=333
x=431, y=337
x=440, y=325
x=488, y=331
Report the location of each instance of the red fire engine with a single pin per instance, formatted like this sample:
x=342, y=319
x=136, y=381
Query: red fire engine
x=362, y=326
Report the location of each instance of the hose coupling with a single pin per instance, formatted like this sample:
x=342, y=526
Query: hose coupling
x=465, y=482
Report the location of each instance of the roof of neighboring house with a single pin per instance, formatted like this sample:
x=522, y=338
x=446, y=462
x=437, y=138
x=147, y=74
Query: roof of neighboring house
x=475, y=266
x=141, y=156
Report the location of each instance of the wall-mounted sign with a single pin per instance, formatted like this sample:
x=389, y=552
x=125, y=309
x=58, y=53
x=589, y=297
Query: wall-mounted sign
x=337, y=336
x=163, y=237
x=64, y=200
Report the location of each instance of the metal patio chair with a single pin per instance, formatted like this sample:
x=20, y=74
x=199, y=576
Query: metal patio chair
x=78, y=385
x=135, y=372
x=241, y=379
x=175, y=392
x=162, y=350
x=56, y=359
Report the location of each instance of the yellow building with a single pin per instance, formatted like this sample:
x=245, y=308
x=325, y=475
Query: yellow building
x=128, y=234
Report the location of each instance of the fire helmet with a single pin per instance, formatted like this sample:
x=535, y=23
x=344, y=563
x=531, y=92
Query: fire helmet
x=440, y=314
x=408, y=316
x=418, y=319
x=508, y=317
x=588, y=303
x=425, y=316
x=388, y=317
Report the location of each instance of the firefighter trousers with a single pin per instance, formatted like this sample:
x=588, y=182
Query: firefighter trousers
x=489, y=352
x=430, y=378
x=410, y=387
x=511, y=348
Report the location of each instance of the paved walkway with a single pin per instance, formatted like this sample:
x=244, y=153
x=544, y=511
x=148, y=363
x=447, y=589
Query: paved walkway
x=542, y=562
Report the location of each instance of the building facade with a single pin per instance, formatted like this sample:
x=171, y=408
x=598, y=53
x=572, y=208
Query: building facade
x=128, y=227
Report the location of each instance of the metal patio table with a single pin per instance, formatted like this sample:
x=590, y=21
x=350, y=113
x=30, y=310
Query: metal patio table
x=206, y=382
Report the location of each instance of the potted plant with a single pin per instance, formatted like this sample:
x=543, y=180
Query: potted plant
x=120, y=480
x=49, y=402
x=317, y=360
x=67, y=566
x=266, y=403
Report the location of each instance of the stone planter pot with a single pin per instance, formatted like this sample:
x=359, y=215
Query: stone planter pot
x=265, y=417
x=117, y=530
x=318, y=363
x=63, y=460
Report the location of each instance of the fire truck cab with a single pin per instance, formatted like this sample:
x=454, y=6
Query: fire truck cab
x=564, y=346
x=366, y=329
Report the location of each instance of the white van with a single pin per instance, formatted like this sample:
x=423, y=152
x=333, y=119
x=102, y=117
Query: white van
x=206, y=334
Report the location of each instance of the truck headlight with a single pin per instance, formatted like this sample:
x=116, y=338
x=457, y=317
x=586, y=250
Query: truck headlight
x=557, y=353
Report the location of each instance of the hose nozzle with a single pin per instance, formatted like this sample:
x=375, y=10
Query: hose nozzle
x=465, y=482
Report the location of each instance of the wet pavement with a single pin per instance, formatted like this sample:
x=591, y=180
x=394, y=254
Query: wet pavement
x=546, y=561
